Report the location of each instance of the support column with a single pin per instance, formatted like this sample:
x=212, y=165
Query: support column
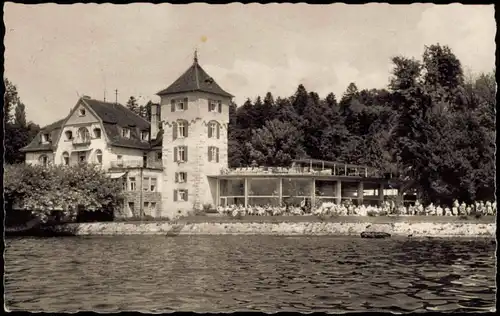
x=360, y=192
x=381, y=193
x=246, y=192
x=313, y=193
x=280, y=191
x=217, y=192
x=338, y=193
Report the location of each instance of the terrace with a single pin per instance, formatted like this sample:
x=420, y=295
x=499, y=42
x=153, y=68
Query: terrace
x=311, y=180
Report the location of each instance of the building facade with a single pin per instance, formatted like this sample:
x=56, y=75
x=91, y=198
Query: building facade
x=179, y=161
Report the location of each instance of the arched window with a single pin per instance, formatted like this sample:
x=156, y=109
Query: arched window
x=83, y=134
x=98, y=156
x=65, y=158
x=213, y=130
x=69, y=135
x=180, y=129
x=44, y=160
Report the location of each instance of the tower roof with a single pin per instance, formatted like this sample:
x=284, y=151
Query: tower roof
x=195, y=79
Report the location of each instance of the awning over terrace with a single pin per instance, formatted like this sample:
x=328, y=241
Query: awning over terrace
x=116, y=175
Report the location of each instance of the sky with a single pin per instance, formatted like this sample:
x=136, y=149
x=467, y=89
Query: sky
x=54, y=53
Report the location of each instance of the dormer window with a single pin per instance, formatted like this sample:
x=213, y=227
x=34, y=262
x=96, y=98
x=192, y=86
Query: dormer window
x=126, y=132
x=81, y=112
x=97, y=132
x=144, y=136
x=69, y=135
x=45, y=138
x=178, y=105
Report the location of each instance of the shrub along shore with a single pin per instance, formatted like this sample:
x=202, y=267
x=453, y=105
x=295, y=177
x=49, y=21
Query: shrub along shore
x=414, y=226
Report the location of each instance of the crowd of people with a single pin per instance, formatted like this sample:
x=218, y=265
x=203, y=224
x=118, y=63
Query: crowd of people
x=348, y=208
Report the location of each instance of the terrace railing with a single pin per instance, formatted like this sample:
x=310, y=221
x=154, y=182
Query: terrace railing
x=339, y=170
x=80, y=141
x=127, y=164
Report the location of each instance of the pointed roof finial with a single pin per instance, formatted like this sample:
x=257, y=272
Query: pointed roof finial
x=195, y=56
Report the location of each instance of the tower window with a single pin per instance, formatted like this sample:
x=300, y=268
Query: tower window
x=180, y=177
x=213, y=154
x=182, y=129
x=213, y=130
x=180, y=195
x=132, y=183
x=179, y=104
x=180, y=153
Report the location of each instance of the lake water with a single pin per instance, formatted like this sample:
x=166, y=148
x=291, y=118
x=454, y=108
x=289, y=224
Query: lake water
x=256, y=273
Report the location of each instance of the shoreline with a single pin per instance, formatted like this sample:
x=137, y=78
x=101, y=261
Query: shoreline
x=213, y=226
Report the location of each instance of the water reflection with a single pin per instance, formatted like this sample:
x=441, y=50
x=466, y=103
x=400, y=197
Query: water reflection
x=264, y=273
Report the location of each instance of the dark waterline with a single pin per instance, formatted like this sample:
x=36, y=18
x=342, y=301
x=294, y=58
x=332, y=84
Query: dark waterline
x=255, y=273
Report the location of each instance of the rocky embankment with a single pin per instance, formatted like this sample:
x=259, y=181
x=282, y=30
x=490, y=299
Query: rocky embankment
x=423, y=229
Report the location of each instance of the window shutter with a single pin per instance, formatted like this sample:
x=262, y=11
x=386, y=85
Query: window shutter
x=185, y=177
x=175, y=154
x=175, y=195
x=174, y=131
x=172, y=105
x=217, y=157
x=187, y=195
x=185, y=103
x=209, y=131
x=219, y=106
x=209, y=156
x=186, y=123
x=186, y=151
x=218, y=130
x=209, y=101
x=176, y=177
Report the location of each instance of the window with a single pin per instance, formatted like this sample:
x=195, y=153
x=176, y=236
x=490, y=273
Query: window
x=125, y=132
x=98, y=156
x=146, y=206
x=44, y=160
x=144, y=136
x=45, y=138
x=215, y=106
x=69, y=135
x=159, y=156
x=213, y=130
x=180, y=195
x=212, y=106
x=179, y=104
x=152, y=207
x=81, y=112
x=83, y=135
x=131, y=207
x=182, y=129
x=153, y=184
x=82, y=157
x=180, y=177
x=145, y=184
x=132, y=184
x=213, y=154
x=180, y=154
x=97, y=132
x=65, y=157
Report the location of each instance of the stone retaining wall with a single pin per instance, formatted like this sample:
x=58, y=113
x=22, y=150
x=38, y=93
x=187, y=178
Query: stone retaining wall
x=284, y=228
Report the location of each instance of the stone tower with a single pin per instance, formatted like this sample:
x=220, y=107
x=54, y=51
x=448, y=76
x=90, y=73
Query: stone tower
x=195, y=117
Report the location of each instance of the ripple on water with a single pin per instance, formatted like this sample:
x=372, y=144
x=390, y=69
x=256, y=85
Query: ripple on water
x=248, y=273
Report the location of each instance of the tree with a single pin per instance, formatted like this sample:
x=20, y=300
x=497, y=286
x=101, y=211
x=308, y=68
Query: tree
x=20, y=115
x=133, y=106
x=275, y=144
x=45, y=189
x=11, y=100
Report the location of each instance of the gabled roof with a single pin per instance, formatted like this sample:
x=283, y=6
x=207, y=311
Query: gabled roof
x=114, y=117
x=37, y=145
x=195, y=79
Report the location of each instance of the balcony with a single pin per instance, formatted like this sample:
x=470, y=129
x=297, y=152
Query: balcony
x=132, y=164
x=78, y=141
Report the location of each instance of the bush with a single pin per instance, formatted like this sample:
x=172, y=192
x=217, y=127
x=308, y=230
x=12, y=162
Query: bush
x=371, y=213
x=464, y=217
